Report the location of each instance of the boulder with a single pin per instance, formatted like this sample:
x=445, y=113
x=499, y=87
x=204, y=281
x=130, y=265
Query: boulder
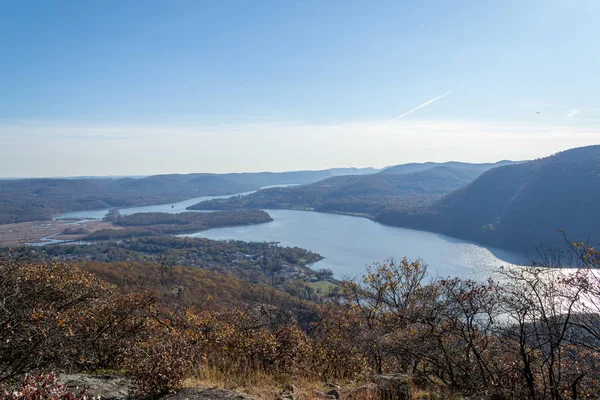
x=203, y=393
x=393, y=386
x=366, y=392
x=321, y=395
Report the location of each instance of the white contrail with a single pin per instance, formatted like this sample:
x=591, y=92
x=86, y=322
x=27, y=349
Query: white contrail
x=572, y=112
x=417, y=107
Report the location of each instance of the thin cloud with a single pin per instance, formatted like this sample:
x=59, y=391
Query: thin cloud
x=295, y=145
x=418, y=107
x=572, y=112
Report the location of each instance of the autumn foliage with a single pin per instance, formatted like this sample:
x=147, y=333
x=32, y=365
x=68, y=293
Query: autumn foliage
x=535, y=333
x=44, y=386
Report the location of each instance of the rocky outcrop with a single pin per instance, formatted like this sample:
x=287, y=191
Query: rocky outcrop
x=382, y=387
x=203, y=393
x=394, y=386
x=113, y=387
x=108, y=387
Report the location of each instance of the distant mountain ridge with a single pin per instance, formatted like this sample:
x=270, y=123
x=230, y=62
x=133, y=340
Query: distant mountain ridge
x=41, y=198
x=364, y=195
x=517, y=206
x=417, y=167
x=329, y=171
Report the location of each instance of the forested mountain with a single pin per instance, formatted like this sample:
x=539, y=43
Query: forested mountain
x=518, y=206
x=417, y=167
x=354, y=194
x=39, y=199
x=262, y=179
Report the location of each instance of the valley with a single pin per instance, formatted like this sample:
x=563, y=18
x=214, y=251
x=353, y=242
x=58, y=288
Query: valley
x=348, y=244
x=448, y=198
x=300, y=259
x=516, y=206
x=300, y=200
x=37, y=199
x=361, y=195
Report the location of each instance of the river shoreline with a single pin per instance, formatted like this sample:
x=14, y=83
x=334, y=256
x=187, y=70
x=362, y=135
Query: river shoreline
x=349, y=244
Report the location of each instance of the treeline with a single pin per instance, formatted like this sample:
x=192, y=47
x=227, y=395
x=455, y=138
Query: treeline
x=156, y=223
x=534, y=336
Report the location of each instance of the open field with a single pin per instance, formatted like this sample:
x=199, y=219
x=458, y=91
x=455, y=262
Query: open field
x=33, y=232
x=322, y=287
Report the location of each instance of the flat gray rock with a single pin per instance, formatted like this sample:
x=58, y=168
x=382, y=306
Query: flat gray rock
x=200, y=393
x=108, y=387
x=114, y=387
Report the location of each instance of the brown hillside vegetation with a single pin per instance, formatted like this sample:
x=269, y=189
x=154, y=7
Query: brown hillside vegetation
x=217, y=289
x=284, y=268
x=535, y=336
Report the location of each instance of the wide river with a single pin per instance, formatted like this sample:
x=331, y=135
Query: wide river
x=349, y=244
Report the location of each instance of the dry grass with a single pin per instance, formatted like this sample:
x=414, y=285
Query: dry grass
x=33, y=232
x=269, y=387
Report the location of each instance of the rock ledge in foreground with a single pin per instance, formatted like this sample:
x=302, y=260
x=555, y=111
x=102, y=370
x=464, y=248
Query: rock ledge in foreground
x=114, y=387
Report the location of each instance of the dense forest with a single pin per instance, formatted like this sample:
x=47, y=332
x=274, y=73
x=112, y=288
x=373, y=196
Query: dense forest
x=156, y=223
x=363, y=195
x=40, y=199
x=517, y=206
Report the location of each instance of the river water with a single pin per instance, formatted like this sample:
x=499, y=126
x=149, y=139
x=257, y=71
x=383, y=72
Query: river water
x=349, y=244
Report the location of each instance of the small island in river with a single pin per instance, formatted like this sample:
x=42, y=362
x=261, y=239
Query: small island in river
x=157, y=223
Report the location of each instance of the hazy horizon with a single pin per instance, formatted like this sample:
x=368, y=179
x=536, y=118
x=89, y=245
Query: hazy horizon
x=71, y=156
x=144, y=88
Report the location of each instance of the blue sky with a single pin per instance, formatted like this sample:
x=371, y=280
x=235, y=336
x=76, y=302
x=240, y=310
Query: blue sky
x=139, y=87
